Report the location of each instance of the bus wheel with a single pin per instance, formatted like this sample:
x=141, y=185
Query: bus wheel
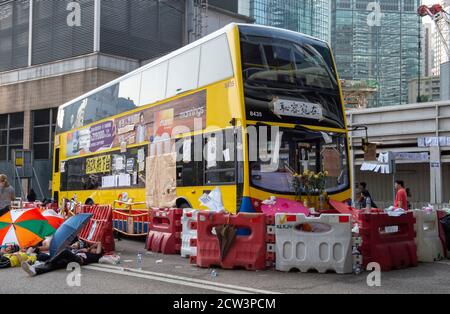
x=89, y=202
x=181, y=203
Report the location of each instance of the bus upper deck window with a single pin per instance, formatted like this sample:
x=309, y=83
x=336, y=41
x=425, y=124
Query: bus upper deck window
x=57, y=160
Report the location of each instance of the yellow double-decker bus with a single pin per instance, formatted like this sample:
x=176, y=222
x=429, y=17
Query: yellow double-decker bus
x=273, y=95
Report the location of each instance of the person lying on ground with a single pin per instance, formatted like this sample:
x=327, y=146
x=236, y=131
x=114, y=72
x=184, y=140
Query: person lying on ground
x=89, y=255
x=9, y=249
x=9, y=260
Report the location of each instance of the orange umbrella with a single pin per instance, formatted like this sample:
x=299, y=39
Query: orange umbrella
x=25, y=228
x=53, y=218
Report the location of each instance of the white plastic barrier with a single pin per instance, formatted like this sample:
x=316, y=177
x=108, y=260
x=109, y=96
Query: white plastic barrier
x=322, y=244
x=429, y=245
x=189, y=216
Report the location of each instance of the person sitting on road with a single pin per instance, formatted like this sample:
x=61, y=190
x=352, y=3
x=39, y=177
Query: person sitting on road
x=89, y=255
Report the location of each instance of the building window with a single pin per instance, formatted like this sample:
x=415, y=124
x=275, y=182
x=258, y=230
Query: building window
x=44, y=123
x=11, y=134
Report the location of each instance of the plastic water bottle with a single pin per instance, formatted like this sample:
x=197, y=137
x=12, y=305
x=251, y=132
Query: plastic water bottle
x=357, y=269
x=369, y=204
x=321, y=202
x=139, y=261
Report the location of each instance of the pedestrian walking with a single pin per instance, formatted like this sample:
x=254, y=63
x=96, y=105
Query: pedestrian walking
x=401, y=198
x=7, y=195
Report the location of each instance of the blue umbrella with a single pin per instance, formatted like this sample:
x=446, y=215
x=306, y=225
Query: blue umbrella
x=67, y=232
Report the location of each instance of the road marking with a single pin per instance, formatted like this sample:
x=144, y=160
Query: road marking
x=443, y=263
x=179, y=280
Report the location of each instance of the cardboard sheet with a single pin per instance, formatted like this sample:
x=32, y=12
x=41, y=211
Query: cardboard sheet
x=161, y=181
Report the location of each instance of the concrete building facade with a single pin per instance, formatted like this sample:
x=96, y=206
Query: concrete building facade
x=427, y=50
x=398, y=129
x=445, y=81
x=54, y=51
x=430, y=89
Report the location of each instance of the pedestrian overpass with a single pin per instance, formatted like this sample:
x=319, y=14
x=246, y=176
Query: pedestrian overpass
x=397, y=129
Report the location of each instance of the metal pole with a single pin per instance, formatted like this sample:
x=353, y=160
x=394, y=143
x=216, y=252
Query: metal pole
x=97, y=25
x=394, y=173
x=419, y=75
x=39, y=184
x=30, y=34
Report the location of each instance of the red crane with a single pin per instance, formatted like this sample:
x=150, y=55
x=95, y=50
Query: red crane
x=441, y=19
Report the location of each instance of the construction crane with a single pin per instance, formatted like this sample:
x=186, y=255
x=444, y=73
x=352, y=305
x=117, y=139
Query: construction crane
x=442, y=20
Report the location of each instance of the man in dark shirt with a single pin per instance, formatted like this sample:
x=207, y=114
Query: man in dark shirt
x=89, y=255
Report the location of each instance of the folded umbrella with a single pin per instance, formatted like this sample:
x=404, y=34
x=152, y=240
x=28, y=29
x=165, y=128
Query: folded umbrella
x=67, y=232
x=226, y=234
x=26, y=228
x=53, y=218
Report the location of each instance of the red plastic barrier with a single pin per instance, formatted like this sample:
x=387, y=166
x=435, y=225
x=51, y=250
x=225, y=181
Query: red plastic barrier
x=344, y=209
x=441, y=214
x=53, y=206
x=247, y=252
x=100, y=227
x=388, y=241
x=28, y=205
x=165, y=231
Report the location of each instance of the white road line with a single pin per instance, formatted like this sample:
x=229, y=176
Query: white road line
x=443, y=263
x=179, y=280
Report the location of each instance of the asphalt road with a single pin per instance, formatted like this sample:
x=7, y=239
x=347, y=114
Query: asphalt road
x=173, y=275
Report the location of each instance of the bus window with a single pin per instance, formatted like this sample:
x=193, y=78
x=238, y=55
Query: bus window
x=189, y=170
x=57, y=160
x=280, y=67
x=153, y=84
x=297, y=152
x=105, y=171
x=220, y=166
x=215, y=61
x=129, y=90
x=183, y=72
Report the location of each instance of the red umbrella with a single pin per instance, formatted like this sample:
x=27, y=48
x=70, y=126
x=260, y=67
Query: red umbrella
x=53, y=218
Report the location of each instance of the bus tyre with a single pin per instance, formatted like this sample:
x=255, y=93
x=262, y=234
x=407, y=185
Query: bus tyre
x=182, y=204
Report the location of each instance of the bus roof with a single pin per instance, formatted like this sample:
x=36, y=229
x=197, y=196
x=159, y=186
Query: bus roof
x=177, y=52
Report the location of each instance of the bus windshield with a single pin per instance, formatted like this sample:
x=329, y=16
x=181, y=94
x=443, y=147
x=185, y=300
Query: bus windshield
x=297, y=151
x=289, y=78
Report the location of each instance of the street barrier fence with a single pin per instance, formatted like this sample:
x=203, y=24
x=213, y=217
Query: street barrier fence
x=388, y=241
x=314, y=243
x=429, y=244
x=189, y=232
x=244, y=251
x=165, y=231
x=129, y=221
x=100, y=227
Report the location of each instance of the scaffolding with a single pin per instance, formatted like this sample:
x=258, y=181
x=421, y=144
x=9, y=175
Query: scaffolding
x=357, y=93
x=200, y=19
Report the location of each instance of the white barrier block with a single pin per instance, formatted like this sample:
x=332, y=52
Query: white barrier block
x=189, y=215
x=327, y=248
x=429, y=245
